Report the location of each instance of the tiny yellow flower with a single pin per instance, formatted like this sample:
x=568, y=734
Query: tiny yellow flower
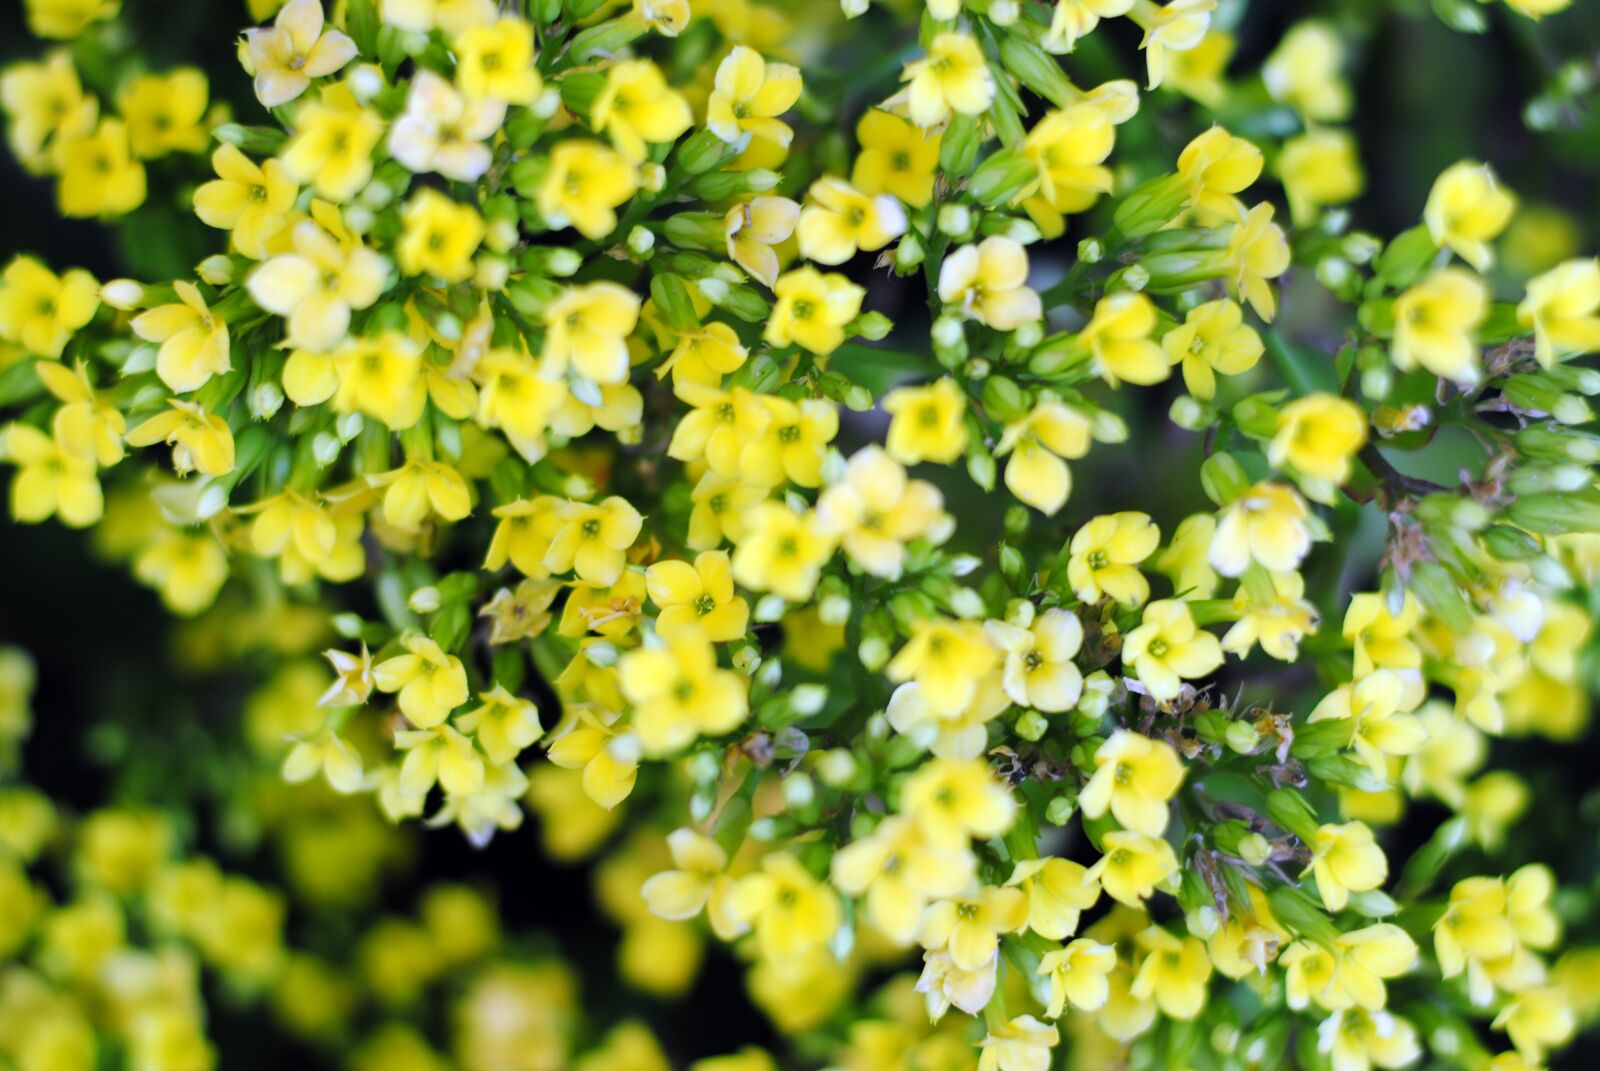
x=504, y=726
x=781, y=551
x=1118, y=338
x=813, y=310
x=608, y=759
x=1104, y=556
x=753, y=228
x=325, y=753
x=720, y=427
x=1071, y=20
x=441, y=130
x=748, y=97
x=1132, y=866
x=307, y=539
x=430, y=682
x=1039, y=671
x=678, y=692
x=875, y=510
x=66, y=19
x=1135, y=778
x=315, y=286
x=1168, y=648
x=1382, y=726
x=381, y=377
x=1319, y=168
x=1563, y=309
x=896, y=158
x=668, y=18
x=586, y=332
x=1345, y=859
x=199, y=441
x=1186, y=561
x=1212, y=340
x=1040, y=444
x=1269, y=525
x=439, y=755
x=636, y=106
x=42, y=311
x=1257, y=252
x=947, y=659
x=194, y=340
x=969, y=926
x=1077, y=975
x=837, y=220
x=1536, y=1020
x=420, y=488
x=1317, y=436
x=1358, y=1040
x=50, y=480
x=295, y=50
x=1174, y=973
x=1178, y=26
x=1068, y=149
x=331, y=149
x=791, y=912
x=698, y=881
x=794, y=444
x=1304, y=72
x=698, y=596
x=929, y=423
x=583, y=187
x=1466, y=210
x=441, y=235
x=252, y=201
x=593, y=539
x=497, y=60
x=85, y=424
x=953, y=78
x=165, y=113
x=1058, y=890
x=99, y=174
x=721, y=506
x=987, y=282
x=1434, y=322
x=1215, y=166
x=900, y=872
x=46, y=105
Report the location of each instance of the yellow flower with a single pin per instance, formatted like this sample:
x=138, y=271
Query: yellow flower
x=1077, y=975
x=1174, y=973
x=1303, y=71
x=84, y=424
x=792, y=912
x=1466, y=210
x=1039, y=445
x=1257, y=251
x=441, y=130
x=698, y=596
x=50, y=480
x=813, y=310
x=1179, y=26
x=953, y=800
x=1318, y=168
x=896, y=158
x=1186, y=561
x=1358, y=1040
x=325, y=753
x=945, y=984
x=430, y=682
x=899, y=871
x=328, y=273
x=307, y=539
x=666, y=17
x=1133, y=865
x=1168, y=648
x=794, y=443
x=837, y=220
x=583, y=187
x=1215, y=166
x=295, y=50
x=1135, y=777
x=1274, y=614
x=1073, y=19
x=1563, y=308
x=440, y=237
x=1382, y=726
x=874, y=511
x=419, y=488
x=1199, y=72
x=381, y=377
x=252, y=201
x=46, y=105
x=1118, y=337
x=947, y=659
x=1104, y=556
x=929, y=423
x=719, y=428
x=165, y=113
x=702, y=357
x=1270, y=526
x=1316, y=437
x=636, y=106
x=952, y=78
x=1536, y=1020
x=969, y=926
x=988, y=283
x=781, y=551
x=593, y=539
x=438, y=755
x=188, y=570
x=496, y=60
x=66, y=19
x=699, y=881
x=199, y=441
x=748, y=97
x=721, y=506
x=610, y=611
x=609, y=760
x=99, y=174
x=1434, y=323
x=586, y=331
x=753, y=228
x=40, y=310
x=1346, y=859
x=1213, y=339
x=1058, y=890
x=194, y=340
x=504, y=726
x=1536, y=10
x=679, y=693
x=518, y=399
x=331, y=149
x=1039, y=671
x=1068, y=149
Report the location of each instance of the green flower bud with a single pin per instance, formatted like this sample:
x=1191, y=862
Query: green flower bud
x=1031, y=726
x=1289, y=809
x=958, y=150
x=1223, y=479
x=1036, y=69
x=1001, y=177
x=1151, y=206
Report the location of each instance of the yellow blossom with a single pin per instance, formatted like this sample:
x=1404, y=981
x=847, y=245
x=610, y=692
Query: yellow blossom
x=794, y=443
x=331, y=149
x=698, y=596
x=791, y=912
x=496, y=59
x=430, y=682
x=1358, y=1040
x=1040, y=445
x=442, y=755
x=1466, y=210
x=593, y=539
x=1077, y=974
x=953, y=78
x=296, y=49
x=929, y=422
x=420, y=488
x=781, y=551
x=1174, y=973
x=1345, y=859
x=99, y=174
x=748, y=97
x=698, y=881
x=1382, y=727
x=812, y=310
x=1073, y=19
x=1178, y=26
x=85, y=424
x=719, y=428
x=188, y=570
x=1317, y=436
x=896, y=158
x=1536, y=1020
x=194, y=340
x=50, y=480
x=325, y=753
x=441, y=130
x=753, y=228
x=1304, y=72
x=200, y=441
x=504, y=725
x=1213, y=339
x=952, y=800
x=987, y=282
x=837, y=220
x=1257, y=252
x=440, y=237
x=1118, y=338
x=609, y=761
x=1133, y=865
x=1104, y=557
x=1269, y=525
x=45, y=104
x=1434, y=322
x=1319, y=168
x=1135, y=777
x=165, y=113
x=1215, y=166
x=1039, y=668
x=969, y=926
x=679, y=693
x=583, y=186
x=899, y=872
x=636, y=106
x=947, y=659
x=67, y=19
x=250, y=200
x=1168, y=648
x=1023, y=1044
x=1058, y=890
x=1563, y=309
x=42, y=311
x=315, y=286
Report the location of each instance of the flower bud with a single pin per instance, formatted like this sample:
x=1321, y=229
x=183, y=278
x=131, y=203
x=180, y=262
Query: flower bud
x=1031, y=726
x=122, y=294
x=325, y=448
x=955, y=220
x=425, y=600
x=1223, y=479
x=1034, y=67
x=266, y=400
x=999, y=179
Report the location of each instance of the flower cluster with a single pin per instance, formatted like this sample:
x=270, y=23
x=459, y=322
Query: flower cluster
x=544, y=370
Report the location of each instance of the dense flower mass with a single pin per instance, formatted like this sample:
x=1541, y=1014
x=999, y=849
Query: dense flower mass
x=658, y=428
